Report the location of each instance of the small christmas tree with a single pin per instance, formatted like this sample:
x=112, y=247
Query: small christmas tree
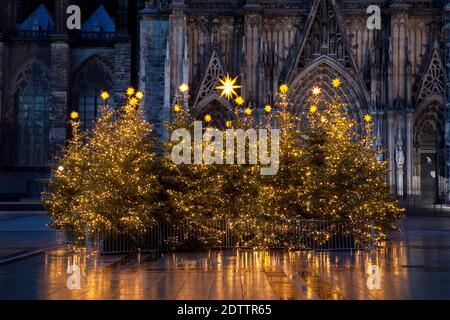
x=66, y=186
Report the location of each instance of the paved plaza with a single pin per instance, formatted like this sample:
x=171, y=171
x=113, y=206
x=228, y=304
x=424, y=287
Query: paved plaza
x=414, y=265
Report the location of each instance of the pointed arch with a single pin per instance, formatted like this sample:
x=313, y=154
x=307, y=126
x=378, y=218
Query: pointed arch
x=321, y=73
x=429, y=150
x=219, y=108
x=214, y=71
x=92, y=77
x=324, y=35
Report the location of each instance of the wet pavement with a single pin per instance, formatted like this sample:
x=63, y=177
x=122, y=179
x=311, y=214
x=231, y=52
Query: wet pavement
x=414, y=265
x=24, y=232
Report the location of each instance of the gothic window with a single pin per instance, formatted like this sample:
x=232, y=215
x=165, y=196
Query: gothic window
x=32, y=117
x=91, y=81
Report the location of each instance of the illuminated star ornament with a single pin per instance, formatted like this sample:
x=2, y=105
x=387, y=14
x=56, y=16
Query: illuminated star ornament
x=228, y=87
x=313, y=109
x=177, y=108
x=105, y=95
x=133, y=102
x=239, y=101
x=208, y=118
x=183, y=87
x=248, y=111
x=284, y=88
x=367, y=118
x=336, y=83
x=74, y=115
x=130, y=91
x=228, y=124
x=268, y=108
x=139, y=95
x=316, y=91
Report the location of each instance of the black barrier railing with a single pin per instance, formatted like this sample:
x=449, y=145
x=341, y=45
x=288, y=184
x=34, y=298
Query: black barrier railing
x=225, y=234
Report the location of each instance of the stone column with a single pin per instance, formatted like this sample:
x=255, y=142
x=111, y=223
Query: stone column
x=122, y=19
x=252, y=47
x=60, y=79
x=59, y=73
x=177, y=45
x=447, y=105
x=122, y=67
x=409, y=151
x=1, y=96
x=154, y=65
x=391, y=148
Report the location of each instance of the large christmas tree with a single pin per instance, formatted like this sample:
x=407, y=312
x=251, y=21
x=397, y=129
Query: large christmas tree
x=108, y=179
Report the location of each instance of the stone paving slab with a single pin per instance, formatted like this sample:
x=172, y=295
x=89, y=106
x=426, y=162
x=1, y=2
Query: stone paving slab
x=415, y=265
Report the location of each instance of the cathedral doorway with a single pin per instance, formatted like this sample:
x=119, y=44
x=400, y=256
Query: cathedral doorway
x=430, y=151
x=215, y=107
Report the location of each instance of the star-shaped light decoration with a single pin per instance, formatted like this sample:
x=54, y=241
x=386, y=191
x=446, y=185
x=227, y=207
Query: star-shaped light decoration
x=239, y=101
x=184, y=87
x=336, y=83
x=74, y=115
x=129, y=108
x=104, y=95
x=228, y=124
x=139, y=95
x=133, y=102
x=177, y=108
x=316, y=91
x=248, y=111
x=267, y=108
x=130, y=91
x=284, y=88
x=313, y=109
x=367, y=118
x=208, y=118
x=228, y=87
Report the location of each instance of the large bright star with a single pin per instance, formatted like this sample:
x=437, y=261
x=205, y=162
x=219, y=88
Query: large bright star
x=228, y=86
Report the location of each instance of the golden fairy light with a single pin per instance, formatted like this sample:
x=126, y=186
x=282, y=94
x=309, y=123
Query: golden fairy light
x=74, y=115
x=130, y=91
x=367, y=118
x=177, y=108
x=139, y=95
x=316, y=91
x=228, y=87
x=239, y=101
x=284, y=88
x=129, y=108
x=133, y=102
x=104, y=95
x=184, y=87
x=267, y=108
x=208, y=118
x=336, y=83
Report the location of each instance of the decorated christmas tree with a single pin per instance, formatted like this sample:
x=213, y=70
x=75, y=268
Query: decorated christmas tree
x=344, y=181
x=109, y=178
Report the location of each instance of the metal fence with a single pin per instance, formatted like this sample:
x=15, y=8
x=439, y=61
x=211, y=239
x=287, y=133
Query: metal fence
x=226, y=234
x=415, y=206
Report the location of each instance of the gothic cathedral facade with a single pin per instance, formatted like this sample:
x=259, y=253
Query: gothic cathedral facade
x=397, y=73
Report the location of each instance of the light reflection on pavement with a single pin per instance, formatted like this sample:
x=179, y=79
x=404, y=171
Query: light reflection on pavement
x=414, y=265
